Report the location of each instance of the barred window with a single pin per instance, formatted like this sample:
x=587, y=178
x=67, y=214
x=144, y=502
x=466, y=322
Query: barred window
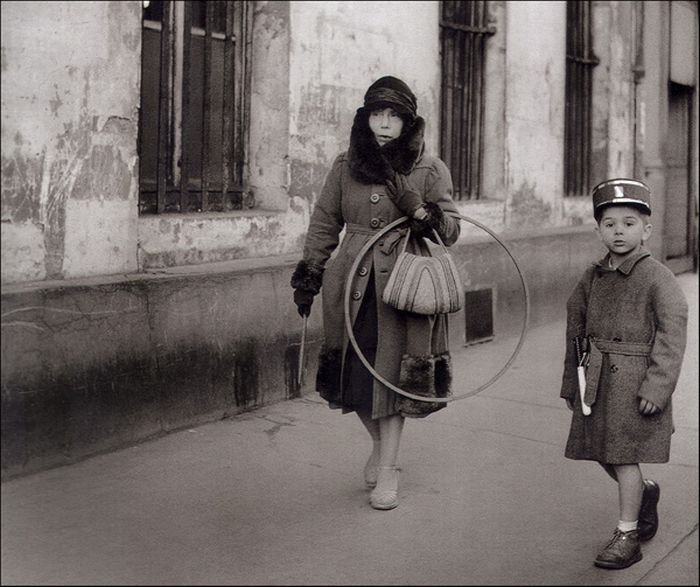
x=580, y=61
x=194, y=106
x=464, y=29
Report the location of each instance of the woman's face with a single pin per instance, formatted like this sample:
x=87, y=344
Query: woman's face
x=386, y=125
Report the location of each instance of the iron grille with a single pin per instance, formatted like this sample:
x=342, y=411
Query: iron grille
x=194, y=106
x=464, y=29
x=580, y=61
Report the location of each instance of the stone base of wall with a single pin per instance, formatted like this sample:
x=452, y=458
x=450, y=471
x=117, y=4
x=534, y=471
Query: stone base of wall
x=94, y=365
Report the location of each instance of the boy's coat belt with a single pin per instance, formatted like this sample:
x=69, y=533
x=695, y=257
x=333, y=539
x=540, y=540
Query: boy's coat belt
x=599, y=347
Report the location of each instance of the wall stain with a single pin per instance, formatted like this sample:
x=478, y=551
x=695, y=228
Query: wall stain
x=527, y=210
x=21, y=182
x=55, y=103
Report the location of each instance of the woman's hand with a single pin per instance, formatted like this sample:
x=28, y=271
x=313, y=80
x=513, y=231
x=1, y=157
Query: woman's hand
x=405, y=197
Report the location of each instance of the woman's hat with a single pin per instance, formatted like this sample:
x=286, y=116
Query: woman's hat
x=621, y=192
x=391, y=92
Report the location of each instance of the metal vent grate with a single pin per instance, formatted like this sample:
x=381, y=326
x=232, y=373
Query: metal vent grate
x=478, y=316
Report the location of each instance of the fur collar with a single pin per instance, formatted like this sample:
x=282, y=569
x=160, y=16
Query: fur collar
x=370, y=163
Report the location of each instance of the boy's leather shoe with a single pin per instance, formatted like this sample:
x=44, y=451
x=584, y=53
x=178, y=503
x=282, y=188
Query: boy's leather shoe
x=648, y=514
x=622, y=551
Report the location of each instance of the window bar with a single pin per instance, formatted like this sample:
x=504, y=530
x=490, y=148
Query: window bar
x=464, y=95
x=588, y=80
x=573, y=120
x=567, y=103
x=479, y=156
x=468, y=133
x=463, y=130
x=186, y=72
x=163, y=105
x=574, y=97
x=584, y=129
x=580, y=130
x=238, y=64
x=454, y=77
x=229, y=100
x=247, y=65
x=456, y=106
x=449, y=88
x=444, y=119
x=206, y=123
x=458, y=136
x=443, y=86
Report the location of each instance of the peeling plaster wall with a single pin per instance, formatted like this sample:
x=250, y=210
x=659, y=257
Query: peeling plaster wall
x=269, y=106
x=69, y=125
x=337, y=50
x=534, y=112
x=620, y=35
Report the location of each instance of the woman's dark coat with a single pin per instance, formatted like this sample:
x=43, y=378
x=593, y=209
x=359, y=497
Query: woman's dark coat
x=412, y=351
x=636, y=315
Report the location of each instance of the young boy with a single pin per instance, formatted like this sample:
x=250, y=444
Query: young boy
x=626, y=330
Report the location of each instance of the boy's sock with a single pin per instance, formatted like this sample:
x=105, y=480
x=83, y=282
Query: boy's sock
x=627, y=526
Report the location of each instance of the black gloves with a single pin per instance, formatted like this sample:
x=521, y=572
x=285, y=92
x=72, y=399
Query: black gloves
x=306, y=281
x=303, y=299
x=435, y=219
x=404, y=196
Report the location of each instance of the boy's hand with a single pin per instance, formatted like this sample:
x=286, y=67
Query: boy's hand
x=646, y=408
x=569, y=404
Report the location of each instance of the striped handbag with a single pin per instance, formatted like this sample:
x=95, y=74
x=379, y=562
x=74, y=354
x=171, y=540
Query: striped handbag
x=424, y=284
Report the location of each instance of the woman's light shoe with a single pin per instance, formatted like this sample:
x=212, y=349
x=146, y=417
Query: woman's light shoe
x=371, y=470
x=385, y=495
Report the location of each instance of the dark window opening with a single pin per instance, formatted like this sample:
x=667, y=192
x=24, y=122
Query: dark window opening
x=194, y=106
x=464, y=29
x=580, y=61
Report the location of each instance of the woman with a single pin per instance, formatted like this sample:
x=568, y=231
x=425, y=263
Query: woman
x=383, y=176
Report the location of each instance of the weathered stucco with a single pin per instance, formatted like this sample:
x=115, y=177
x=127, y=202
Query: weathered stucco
x=172, y=240
x=535, y=107
x=269, y=106
x=337, y=50
x=69, y=125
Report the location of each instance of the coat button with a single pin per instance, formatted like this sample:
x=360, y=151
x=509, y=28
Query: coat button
x=356, y=295
x=613, y=368
x=374, y=198
x=363, y=271
x=374, y=223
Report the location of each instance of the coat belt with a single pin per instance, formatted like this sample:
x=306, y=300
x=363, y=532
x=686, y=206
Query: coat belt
x=600, y=347
x=386, y=245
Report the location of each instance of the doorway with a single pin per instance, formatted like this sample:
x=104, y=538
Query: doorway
x=679, y=222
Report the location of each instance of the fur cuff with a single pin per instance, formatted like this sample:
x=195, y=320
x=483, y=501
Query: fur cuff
x=328, y=374
x=443, y=375
x=417, y=376
x=307, y=276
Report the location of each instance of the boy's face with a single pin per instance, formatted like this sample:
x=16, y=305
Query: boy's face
x=623, y=230
x=386, y=125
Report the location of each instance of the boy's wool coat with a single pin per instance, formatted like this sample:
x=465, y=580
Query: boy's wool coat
x=363, y=207
x=639, y=302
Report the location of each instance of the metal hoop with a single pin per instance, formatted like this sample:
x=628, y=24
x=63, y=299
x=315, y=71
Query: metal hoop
x=348, y=325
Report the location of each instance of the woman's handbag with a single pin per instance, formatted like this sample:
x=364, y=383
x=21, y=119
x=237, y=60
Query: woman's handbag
x=424, y=284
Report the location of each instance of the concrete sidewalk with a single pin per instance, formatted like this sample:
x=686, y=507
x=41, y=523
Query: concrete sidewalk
x=276, y=496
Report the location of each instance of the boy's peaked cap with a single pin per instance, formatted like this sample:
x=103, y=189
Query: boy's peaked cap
x=621, y=192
